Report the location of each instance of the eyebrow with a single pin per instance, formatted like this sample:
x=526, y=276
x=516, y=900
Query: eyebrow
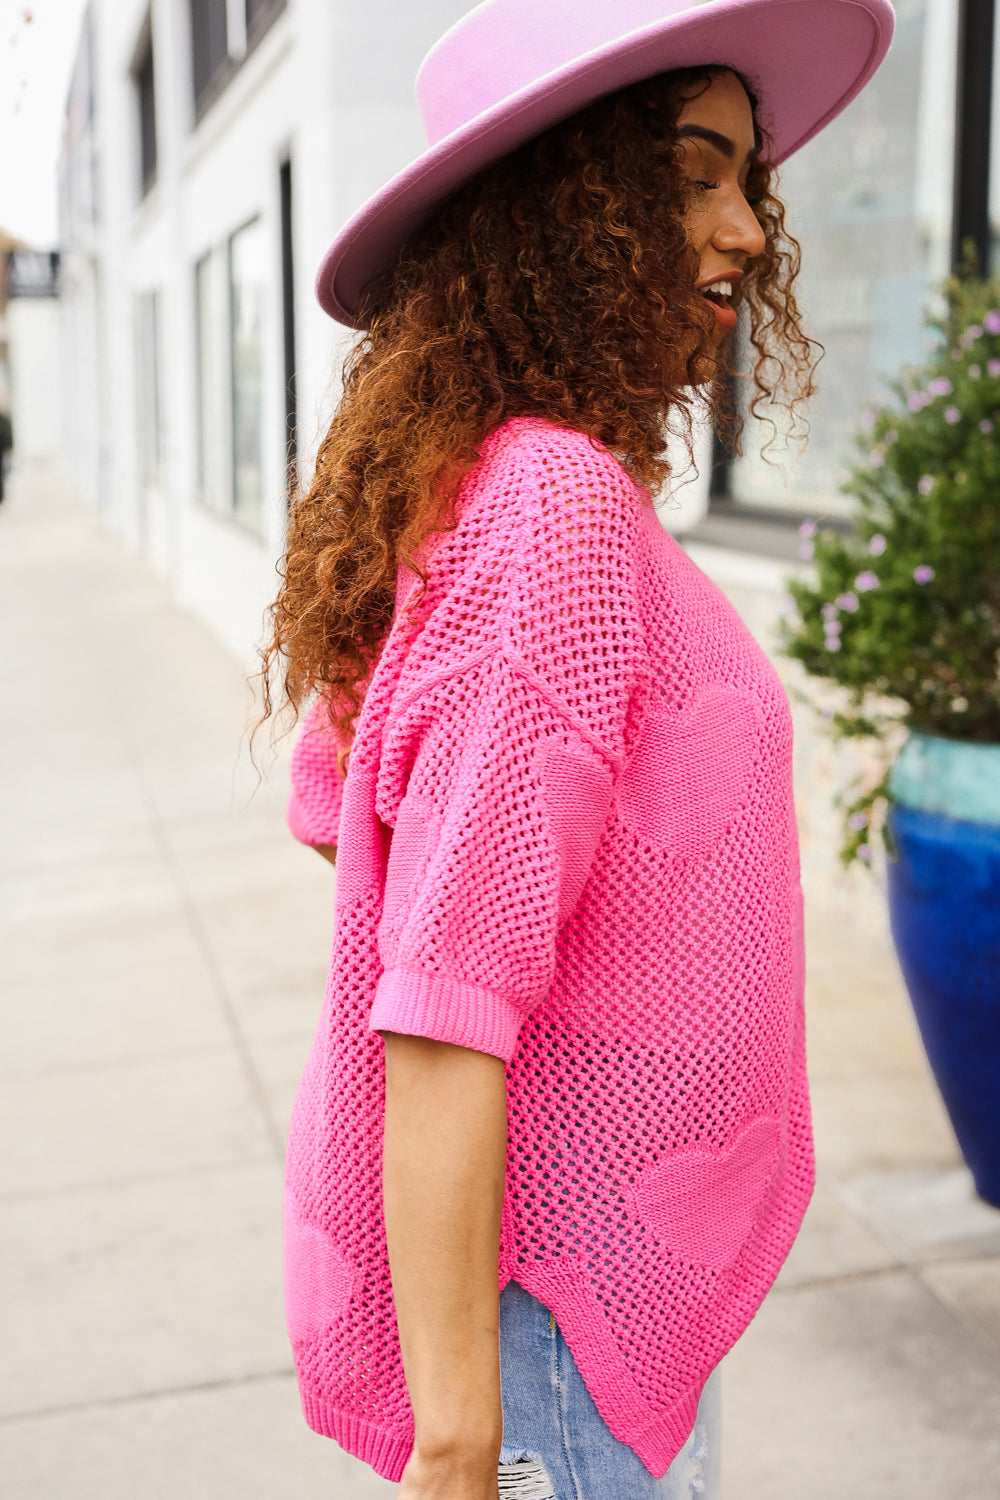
x=722, y=143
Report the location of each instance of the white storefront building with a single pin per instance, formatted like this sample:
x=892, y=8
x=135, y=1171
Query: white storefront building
x=211, y=149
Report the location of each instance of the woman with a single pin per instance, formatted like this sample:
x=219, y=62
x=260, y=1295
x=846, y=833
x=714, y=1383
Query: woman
x=554, y=764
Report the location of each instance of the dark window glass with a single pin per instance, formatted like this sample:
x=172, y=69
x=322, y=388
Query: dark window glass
x=147, y=117
x=209, y=50
x=288, y=323
x=260, y=14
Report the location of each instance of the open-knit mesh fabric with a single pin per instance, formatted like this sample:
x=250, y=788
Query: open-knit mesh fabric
x=567, y=837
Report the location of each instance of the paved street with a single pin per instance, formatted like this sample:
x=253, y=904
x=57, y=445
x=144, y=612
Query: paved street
x=163, y=946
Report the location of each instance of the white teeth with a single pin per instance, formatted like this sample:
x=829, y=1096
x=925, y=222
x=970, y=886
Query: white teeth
x=722, y=288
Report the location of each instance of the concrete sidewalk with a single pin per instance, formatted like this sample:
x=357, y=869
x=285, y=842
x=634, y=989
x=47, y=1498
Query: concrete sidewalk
x=162, y=953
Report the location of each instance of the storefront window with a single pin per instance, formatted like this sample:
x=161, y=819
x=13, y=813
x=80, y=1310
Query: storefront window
x=247, y=267
x=147, y=364
x=213, y=427
x=870, y=201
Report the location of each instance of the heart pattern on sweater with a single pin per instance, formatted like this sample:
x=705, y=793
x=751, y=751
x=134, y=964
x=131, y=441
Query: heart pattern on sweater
x=703, y=1202
x=689, y=776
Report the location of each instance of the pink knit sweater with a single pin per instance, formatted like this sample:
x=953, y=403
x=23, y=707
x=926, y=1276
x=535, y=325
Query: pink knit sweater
x=566, y=838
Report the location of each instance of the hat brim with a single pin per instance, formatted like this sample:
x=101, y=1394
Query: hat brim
x=805, y=59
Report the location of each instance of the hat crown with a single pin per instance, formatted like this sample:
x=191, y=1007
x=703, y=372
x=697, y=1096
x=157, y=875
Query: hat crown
x=505, y=46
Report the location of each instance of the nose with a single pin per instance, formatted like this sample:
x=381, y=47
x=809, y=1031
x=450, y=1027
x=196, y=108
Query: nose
x=739, y=232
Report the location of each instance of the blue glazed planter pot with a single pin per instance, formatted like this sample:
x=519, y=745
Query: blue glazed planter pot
x=944, y=909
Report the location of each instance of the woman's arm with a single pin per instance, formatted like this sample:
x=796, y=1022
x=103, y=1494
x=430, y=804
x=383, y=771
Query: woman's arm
x=443, y=1177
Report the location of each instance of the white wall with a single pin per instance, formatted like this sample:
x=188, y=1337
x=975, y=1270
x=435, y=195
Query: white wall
x=80, y=384
x=34, y=335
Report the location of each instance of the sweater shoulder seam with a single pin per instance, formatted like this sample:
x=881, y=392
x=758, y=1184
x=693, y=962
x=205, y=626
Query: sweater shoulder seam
x=544, y=690
x=528, y=676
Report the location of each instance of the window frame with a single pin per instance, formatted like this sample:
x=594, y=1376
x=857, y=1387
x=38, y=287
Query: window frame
x=143, y=73
x=232, y=45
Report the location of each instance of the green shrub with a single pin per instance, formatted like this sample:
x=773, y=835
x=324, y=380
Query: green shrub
x=907, y=605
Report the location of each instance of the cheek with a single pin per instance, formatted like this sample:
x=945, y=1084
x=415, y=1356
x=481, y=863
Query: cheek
x=698, y=228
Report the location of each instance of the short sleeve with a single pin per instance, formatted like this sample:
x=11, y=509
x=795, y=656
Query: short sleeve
x=317, y=790
x=497, y=806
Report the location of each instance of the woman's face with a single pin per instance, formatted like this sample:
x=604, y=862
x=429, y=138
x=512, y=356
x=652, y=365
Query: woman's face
x=715, y=132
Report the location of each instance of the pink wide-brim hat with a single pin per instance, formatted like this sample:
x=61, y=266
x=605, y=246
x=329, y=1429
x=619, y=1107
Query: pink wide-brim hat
x=512, y=68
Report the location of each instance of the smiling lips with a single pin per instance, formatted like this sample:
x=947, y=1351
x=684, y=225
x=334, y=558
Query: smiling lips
x=717, y=294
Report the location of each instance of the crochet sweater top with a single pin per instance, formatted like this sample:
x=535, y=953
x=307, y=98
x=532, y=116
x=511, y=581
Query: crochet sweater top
x=566, y=837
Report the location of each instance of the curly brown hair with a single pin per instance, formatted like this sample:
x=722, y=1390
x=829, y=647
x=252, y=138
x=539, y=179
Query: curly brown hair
x=559, y=282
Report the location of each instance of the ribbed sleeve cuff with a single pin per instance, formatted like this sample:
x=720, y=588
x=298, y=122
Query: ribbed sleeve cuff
x=306, y=832
x=447, y=1010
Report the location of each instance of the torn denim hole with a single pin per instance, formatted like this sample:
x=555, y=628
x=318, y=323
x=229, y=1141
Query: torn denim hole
x=695, y=1465
x=526, y=1480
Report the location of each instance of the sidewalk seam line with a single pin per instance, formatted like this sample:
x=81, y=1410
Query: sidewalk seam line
x=71, y=1408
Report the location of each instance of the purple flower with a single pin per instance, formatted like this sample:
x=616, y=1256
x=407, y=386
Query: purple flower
x=865, y=581
x=973, y=332
x=925, y=484
x=986, y=425
x=993, y=367
x=829, y=611
x=865, y=853
x=940, y=386
x=832, y=628
x=991, y=322
x=808, y=528
x=952, y=415
x=917, y=400
x=858, y=820
x=892, y=436
x=848, y=602
x=877, y=545
x=923, y=574
x=806, y=551
x=877, y=458
x=974, y=372
x=868, y=417
x=832, y=643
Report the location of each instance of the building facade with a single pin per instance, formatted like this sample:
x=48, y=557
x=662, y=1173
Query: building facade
x=211, y=149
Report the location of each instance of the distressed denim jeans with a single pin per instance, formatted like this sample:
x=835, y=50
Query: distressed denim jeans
x=557, y=1446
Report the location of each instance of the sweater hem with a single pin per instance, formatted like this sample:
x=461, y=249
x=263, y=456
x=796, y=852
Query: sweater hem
x=655, y=1435
x=415, y=1003
x=384, y=1451
x=659, y=1444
